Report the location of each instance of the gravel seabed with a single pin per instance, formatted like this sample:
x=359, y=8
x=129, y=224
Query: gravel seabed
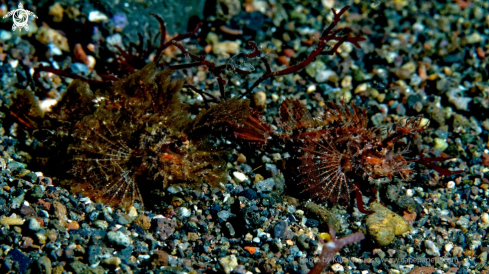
x=419, y=58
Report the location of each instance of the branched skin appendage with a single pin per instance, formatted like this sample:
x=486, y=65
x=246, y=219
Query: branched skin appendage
x=336, y=147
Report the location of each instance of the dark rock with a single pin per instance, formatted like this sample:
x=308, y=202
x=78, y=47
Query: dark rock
x=94, y=254
x=279, y=230
x=215, y=208
x=16, y=261
x=312, y=223
x=249, y=193
x=125, y=254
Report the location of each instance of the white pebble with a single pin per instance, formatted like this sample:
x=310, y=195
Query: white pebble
x=431, y=248
x=448, y=247
x=409, y=192
x=450, y=184
x=240, y=176
x=337, y=268
x=97, y=16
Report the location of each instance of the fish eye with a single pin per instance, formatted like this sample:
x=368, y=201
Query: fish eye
x=179, y=143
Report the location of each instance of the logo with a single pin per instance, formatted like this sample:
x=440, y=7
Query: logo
x=20, y=17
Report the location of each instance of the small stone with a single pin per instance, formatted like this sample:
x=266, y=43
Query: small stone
x=72, y=225
x=431, y=248
x=184, y=212
x=94, y=254
x=224, y=215
x=11, y=221
x=260, y=98
x=239, y=176
x=44, y=265
x=325, y=75
x=265, y=185
x=384, y=225
x=440, y=144
x=119, y=238
x=133, y=212
x=115, y=261
x=97, y=16
x=26, y=242
x=457, y=251
x=113, y=41
x=361, y=88
x=101, y=224
x=56, y=11
x=250, y=249
x=192, y=236
x=448, y=247
x=311, y=89
x=485, y=218
x=228, y=263
x=450, y=184
x=279, y=229
x=47, y=35
x=225, y=48
x=409, y=192
x=248, y=237
x=165, y=227
x=20, y=259
x=91, y=61
x=337, y=268
x=34, y=224
x=143, y=221
x=5, y=35
x=160, y=258
x=241, y=158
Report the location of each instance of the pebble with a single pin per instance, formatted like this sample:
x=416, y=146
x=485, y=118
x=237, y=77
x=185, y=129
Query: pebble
x=225, y=48
x=143, y=221
x=113, y=41
x=11, y=221
x=5, y=35
x=337, y=268
x=241, y=158
x=431, y=248
x=101, y=224
x=448, y=247
x=265, y=185
x=47, y=35
x=119, y=238
x=228, y=263
x=440, y=144
x=34, y=224
x=97, y=16
x=56, y=11
x=184, y=212
x=260, y=98
x=485, y=218
x=239, y=176
x=114, y=261
x=325, y=75
x=384, y=225
x=44, y=265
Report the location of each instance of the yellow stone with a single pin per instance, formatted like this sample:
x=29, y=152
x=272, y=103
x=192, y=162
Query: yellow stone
x=325, y=236
x=11, y=221
x=384, y=225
